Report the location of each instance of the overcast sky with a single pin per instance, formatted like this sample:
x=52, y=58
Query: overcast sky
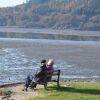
x=6, y=3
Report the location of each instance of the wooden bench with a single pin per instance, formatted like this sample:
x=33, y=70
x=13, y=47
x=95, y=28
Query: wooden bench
x=46, y=77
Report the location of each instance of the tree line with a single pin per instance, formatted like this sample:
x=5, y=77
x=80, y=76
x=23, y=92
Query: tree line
x=56, y=14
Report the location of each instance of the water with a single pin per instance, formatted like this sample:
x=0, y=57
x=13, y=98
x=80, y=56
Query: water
x=15, y=65
x=76, y=53
x=73, y=37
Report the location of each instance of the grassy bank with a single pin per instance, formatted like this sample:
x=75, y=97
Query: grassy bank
x=70, y=91
x=66, y=91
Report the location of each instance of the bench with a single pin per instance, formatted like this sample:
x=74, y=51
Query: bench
x=48, y=74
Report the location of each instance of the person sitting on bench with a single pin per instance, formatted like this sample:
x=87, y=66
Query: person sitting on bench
x=43, y=68
x=50, y=67
x=32, y=80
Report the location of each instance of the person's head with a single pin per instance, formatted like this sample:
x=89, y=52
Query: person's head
x=50, y=62
x=43, y=61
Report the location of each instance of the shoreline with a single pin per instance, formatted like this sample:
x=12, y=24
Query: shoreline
x=11, y=84
x=49, y=31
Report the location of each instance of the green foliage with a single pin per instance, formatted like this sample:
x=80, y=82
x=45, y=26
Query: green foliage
x=57, y=14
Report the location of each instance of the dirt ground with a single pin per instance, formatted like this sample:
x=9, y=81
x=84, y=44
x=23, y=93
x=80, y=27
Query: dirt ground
x=19, y=94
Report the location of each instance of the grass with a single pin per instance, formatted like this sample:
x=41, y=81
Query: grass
x=70, y=91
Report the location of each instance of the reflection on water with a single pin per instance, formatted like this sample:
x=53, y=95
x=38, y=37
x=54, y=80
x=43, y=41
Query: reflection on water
x=15, y=65
x=49, y=36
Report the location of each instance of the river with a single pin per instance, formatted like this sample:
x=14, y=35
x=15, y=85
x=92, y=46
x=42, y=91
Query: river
x=77, y=60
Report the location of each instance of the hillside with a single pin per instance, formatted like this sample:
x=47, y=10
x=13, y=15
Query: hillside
x=56, y=14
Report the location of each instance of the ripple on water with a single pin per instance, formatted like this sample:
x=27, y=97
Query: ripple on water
x=15, y=65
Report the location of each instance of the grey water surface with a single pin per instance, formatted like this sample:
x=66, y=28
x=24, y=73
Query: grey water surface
x=75, y=53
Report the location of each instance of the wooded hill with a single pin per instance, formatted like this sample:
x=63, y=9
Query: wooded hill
x=56, y=14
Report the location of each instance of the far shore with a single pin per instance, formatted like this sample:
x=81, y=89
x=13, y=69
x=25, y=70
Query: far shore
x=49, y=31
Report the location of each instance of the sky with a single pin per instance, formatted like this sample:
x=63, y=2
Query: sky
x=9, y=3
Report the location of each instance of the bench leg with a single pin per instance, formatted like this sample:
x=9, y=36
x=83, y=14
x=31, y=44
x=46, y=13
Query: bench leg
x=58, y=79
x=45, y=85
x=58, y=84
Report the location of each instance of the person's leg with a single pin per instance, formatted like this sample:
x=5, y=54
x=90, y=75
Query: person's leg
x=33, y=83
x=27, y=82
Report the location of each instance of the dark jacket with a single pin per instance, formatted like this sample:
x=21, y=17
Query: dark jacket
x=43, y=68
